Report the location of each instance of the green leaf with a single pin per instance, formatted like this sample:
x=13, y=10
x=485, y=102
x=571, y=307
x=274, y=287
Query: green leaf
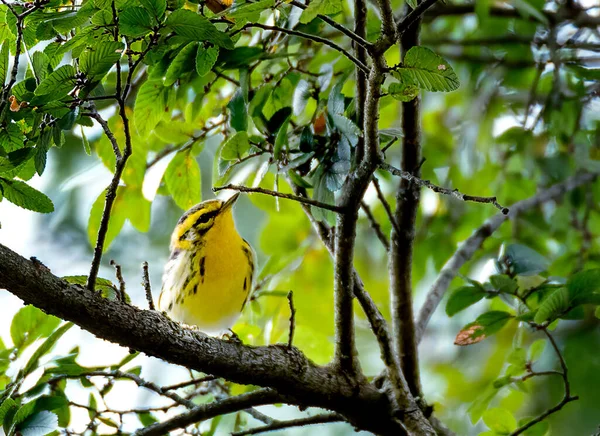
x=403, y=91
x=503, y=283
x=151, y=106
x=527, y=10
x=138, y=208
x=302, y=93
x=117, y=218
x=427, y=70
x=281, y=139
x=29, y=324
x=197, y=28
x=236, y=147
x=182, y=178
x=539, y=429
x=14, y=161
x=206, y=57
x=156, y=7
x=46, y=346
x=552, y=306
x=320, y=7
x=585, y=73
x=8, y=408
x=11, y=138
x=98, y=59
x=40, y=424
x=238, y=112
x=183, y=63
x=485, y=325
x=147, y=418
x=59, y=82
x=536, y=349
x=462, y=298
x=584, y=283
x=135, y=22
x=25, y=196
x=86, y=143
x=500, y=420
x=41, y=151
x=103, y=285
x=4, y=52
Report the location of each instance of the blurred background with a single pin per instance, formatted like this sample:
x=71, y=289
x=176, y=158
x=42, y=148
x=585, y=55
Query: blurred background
x=475, y=139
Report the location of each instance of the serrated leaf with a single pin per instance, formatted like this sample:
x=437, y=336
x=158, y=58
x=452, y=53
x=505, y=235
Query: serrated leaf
x=4, y=62
x=485, y=325
x=11, y=138
x=320, y=7
x=40, y=63
x=151, y=106
x=584, y=283
x=59, y=82
x=238, y=112
x=552, y=306
x=235, y=147
x=462, y=298
x=40, y=424
x=135, y=22
x=25, y=196
x=182, y=178
x=98, y=59
x=500, y=420
x=181, y=64
x=197, y=28
x=14, y=161
x=503, y=283
x=156, y=7
x=426, y=69
x=206, y=59
x=403, y=91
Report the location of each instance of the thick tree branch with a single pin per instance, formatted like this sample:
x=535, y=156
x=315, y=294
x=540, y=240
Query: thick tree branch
x=401, y=242
x=212, y=410
x=288, y=371
x=472, y=244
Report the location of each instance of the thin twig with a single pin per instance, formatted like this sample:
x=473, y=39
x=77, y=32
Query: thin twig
x=290, y=298
x=135, y=378
x=472, y=244
x=360, y=39
x=360, y=27
x=119, y=275
x=451, y=192
x=299, y=199
x=315, y=38
x=187, y=383
x=146, y=285
x=203, y=412
x=385, y=204
x=413, y=16
x=300, y=422
x=375, y=225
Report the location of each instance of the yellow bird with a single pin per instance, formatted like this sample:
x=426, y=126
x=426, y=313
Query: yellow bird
x=208, y=277
x=218, y=5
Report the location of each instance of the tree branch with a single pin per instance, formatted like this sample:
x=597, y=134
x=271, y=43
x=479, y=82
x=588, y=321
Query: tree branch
x=300, y=422
x=413, y=179
x=360, y=27
x=472, y=244
x=288, y=371
x=211, y=410
x=299, y=199
x=401, y=242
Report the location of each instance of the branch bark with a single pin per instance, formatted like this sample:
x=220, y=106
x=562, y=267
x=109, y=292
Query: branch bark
x=472, y=244
x=401, y=242
x=297, y=380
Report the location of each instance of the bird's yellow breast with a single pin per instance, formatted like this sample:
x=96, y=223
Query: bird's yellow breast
x=207, y=282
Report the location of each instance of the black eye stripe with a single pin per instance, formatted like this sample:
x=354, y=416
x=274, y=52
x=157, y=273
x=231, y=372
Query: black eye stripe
x=205, y=217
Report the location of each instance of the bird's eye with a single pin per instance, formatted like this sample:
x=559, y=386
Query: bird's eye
x=204, y=218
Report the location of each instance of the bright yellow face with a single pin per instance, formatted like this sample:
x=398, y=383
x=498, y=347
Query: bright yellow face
x=195, y=224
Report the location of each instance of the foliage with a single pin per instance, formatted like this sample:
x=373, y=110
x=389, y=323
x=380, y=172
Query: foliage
x=153, y=82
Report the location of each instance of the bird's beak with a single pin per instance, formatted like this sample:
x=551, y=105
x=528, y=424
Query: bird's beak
x=229, y=203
